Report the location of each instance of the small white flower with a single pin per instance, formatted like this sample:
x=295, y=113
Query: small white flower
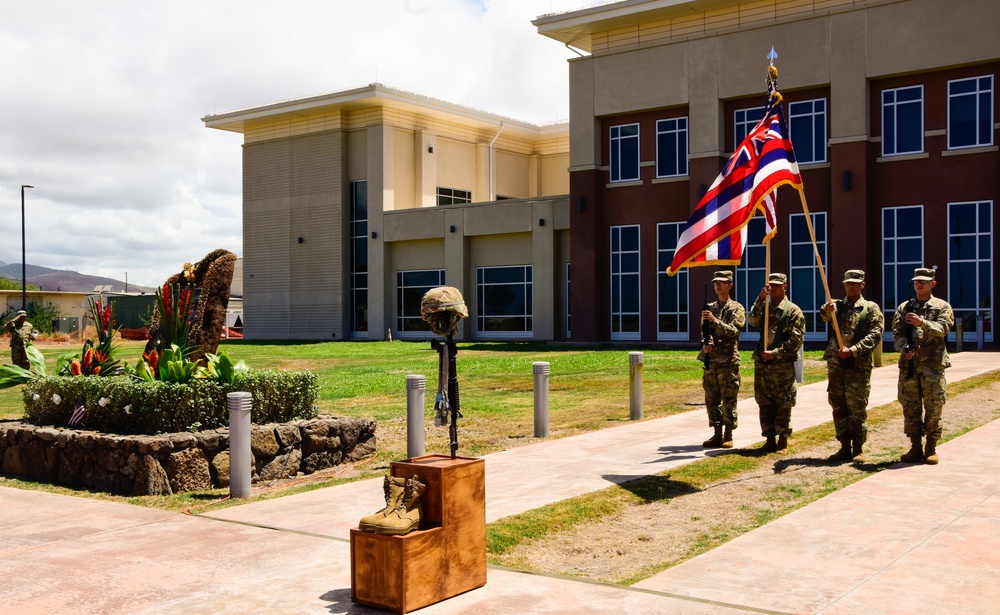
x=56, y=399
x=35, y=397
x=128, y=409
x=104, y=401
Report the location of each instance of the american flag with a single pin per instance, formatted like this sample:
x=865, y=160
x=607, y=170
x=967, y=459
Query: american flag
x=716, y=232
x=79, y=412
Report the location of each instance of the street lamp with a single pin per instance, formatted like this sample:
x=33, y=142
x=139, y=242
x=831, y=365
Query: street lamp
x=24, y=277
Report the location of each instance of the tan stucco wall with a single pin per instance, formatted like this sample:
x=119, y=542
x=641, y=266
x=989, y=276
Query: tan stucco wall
x=68, y=304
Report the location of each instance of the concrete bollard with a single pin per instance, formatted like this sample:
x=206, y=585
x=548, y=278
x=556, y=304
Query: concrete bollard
x=541, y=371
x=635, y=386
x=980, y=331
x=415, y=385
x=958, y=335
x=800, y=366
x=239, y=404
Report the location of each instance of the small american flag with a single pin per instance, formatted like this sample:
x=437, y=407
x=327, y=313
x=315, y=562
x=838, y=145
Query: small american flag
x=79, y=412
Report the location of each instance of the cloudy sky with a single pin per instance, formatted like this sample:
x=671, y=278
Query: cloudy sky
x=102, y=104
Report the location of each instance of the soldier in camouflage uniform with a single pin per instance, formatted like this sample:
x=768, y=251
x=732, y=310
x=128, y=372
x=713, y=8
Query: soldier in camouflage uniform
x=850, y=366
x=774, y=360
x=21, y=333
x=721, y=380
x=919, y=332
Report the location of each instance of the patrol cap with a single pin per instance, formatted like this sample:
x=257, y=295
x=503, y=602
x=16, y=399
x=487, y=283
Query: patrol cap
x=22, y=313
x=854, y=275
x=723, y=276
x=777, y=278
x=923, y=274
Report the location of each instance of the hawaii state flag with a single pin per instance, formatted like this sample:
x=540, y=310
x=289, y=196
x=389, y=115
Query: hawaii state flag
x=716, y=232
x=79, y=412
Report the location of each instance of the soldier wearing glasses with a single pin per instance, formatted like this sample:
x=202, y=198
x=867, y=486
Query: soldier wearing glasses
x=919, y=331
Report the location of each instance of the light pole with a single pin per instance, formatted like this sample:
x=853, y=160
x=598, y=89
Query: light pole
x=24, y=277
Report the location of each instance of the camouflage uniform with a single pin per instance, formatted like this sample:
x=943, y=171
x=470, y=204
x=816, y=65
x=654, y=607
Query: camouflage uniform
x=927, y=386
x=850, y=380
x=20, y=339
x=721, y=379
x=774, y=381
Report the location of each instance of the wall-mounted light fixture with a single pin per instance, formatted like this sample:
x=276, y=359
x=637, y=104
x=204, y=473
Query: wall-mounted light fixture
x=541, y=222
x=430, y=149
x=702, y=189
x=374, y=234
x=451, y=229
x=302, y=240
x=847, y=181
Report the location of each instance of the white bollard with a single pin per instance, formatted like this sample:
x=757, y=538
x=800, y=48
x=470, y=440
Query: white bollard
x=541, y=371
x=635, y=386
x=980, y=331
x=800, y=366
x=239, y=404
x=415, y=385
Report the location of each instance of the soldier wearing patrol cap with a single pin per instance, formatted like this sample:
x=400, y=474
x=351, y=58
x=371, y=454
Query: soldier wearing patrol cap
x=721, y=353
x=849, y=365
x=21, y=333
x=919, y=332
x=774, y=360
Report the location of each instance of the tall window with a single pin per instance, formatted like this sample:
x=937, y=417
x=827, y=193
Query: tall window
x=750, y=272
x=624, y=144
x=625, y=282
x=359, y=258
x=504, y=301
x=452, y=196
x=411, y=286
x=807, y=123
x=672, y=292
x=902, y=252
x=745, y=120
x=805, y=286
x=970, y=266
x=672, y=147
x=903, y=120
x=970, y=112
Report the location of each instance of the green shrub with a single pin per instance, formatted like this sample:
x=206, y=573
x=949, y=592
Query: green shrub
x=125, y=405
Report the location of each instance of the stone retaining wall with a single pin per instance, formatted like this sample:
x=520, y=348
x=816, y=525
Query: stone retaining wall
x=177, y=462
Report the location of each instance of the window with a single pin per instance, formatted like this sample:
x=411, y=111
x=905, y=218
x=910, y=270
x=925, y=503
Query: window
x=504, y=301
x=359, y=258
x=453, y=196
x=902, y=252
x=672, y=292
x=807, y=123
x=749, y=273
x=970, y=112
x=903, y=120
x=805, y=286
x=625, y=282
x=746, y=119
x=411, y=286
x=624, y=153
x=672, y=147
x=970, y=266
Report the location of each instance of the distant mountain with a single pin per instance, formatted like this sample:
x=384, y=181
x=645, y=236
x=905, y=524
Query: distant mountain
x=70, y=281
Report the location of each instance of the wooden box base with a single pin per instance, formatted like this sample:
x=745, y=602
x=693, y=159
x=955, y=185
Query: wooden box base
x=445, y=558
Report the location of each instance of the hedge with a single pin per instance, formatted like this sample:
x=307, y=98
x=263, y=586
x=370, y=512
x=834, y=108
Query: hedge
x=124, y=405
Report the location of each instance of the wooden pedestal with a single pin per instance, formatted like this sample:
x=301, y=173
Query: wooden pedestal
x=446, y=557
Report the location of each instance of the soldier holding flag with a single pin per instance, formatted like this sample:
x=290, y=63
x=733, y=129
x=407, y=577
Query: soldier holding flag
x=721, y=379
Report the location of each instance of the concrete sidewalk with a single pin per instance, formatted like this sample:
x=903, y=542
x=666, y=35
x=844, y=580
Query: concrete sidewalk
x=909, y=540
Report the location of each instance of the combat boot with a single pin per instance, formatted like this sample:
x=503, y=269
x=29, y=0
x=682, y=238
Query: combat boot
x=727, y=437
x=394, y=489
x=769, y=446
x=915, y=453
x=855, y=448
x=716, y=440
x=930, y=452
x=782, y=443
x=844, y=454
x=406, y=516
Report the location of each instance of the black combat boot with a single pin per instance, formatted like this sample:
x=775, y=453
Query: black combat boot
x=716, y=440
x=855, y=447
x=916, y=452
x=782, y=442
x=727, y=437
x=930, y=452
x=844, y=454
x=769, y=446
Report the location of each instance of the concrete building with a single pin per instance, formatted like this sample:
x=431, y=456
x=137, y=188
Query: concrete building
x=357, y=202
x=892, y=108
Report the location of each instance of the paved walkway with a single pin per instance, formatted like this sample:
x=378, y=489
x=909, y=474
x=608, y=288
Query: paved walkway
x=910, y=540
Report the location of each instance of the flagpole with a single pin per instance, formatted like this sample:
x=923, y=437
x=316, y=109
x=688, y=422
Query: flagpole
x=819, y=263
x=767, y=297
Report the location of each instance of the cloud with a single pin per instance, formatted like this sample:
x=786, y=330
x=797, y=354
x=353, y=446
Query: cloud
x=103, y=101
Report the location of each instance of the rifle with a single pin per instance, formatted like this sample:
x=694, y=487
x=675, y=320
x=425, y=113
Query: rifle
x=706, y=329
x=909, y=309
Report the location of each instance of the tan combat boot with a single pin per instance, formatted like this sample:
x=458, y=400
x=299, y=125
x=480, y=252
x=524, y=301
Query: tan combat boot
x=394, y=489
x=716, y=440
x=406, y=516
x=844, y=454
x=916, y=452
x=930, y=452
x=727, y=437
